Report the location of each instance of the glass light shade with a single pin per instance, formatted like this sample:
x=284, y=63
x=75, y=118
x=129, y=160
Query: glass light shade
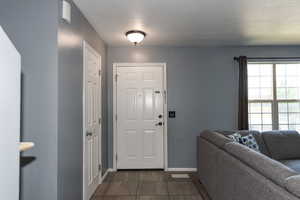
x=135, y=36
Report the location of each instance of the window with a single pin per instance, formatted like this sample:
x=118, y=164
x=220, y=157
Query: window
x=274, y=96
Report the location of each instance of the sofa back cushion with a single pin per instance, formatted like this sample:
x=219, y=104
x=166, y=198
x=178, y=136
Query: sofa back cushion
x=215, y=138
x=266, y=166
x=282, y=145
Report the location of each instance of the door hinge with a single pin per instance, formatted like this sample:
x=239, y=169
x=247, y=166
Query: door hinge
x=99, y=120
x=116, y=77
x=165, y=97
x=99, y=72
x=116, y=156
x=116, y=117
x=99, y=167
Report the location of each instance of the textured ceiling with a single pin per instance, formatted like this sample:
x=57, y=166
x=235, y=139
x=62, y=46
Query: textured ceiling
x=196, y=22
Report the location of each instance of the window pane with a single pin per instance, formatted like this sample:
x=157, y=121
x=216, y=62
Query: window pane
x=267, y=108
x=267, y=118
x=266, y=93
x=253, y=93
x=266, y=127
x=266, y=69
x=260, y=116
x=260, y=81
x=294, y=118
x=255, y=118
x=289, y=115
x=295, y=127
x=255, y=107
x=288, y=81
x=292, y=93
x=266, y=82
x=255, y=127
x=282, y=107
x=292, y=82
x=280, y=70
x=253, y=69
x=253, y=82
x=294, y=107
x=281, y=93
x=283, y=127
x=283, y=118
x=291, y=69
x=280, y=81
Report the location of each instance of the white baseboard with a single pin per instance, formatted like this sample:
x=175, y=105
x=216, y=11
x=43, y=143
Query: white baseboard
x=168, y=170
x=106, y=173
x=182, y=169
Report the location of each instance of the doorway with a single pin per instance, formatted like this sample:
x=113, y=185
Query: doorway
x=92, y=119
x=140, y=116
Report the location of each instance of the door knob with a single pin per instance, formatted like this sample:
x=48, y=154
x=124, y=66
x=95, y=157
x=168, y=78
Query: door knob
x=160, y=116
x=159, y=124
x=89, y=134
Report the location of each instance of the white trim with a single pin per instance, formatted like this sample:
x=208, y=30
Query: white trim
x=182, y=169
x=84, y=46
x=111, y=170
x=164, y=66
x=104, y=175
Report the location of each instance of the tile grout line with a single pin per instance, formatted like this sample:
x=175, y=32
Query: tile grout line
x=138, y=185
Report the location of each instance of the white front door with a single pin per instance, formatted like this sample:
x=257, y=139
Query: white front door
x=140, y=131
x=92, y=117
x=10, y=91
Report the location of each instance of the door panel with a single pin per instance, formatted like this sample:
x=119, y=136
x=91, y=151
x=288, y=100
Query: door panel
x=93, y=118
x=10, y=92
x=139, y=103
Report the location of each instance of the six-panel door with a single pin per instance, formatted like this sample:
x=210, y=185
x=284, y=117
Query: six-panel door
x=92, y=119
x=139, y=117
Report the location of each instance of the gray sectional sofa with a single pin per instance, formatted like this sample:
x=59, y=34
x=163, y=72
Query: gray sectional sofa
x=231, y=171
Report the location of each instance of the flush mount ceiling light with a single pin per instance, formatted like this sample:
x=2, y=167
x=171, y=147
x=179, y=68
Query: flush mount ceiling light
x=135, y=36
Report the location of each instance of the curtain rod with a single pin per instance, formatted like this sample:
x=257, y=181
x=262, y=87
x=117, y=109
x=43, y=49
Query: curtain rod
x=269, y=58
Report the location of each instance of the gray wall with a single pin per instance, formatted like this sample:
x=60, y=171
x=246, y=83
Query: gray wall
x=32, y=26
x=70, y=60
x=202, y=88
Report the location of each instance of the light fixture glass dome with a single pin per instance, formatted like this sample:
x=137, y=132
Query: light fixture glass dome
x=135, y=36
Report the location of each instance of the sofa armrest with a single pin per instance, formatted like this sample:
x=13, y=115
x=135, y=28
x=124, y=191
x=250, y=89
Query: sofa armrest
x=215, y=138
x=272, y=169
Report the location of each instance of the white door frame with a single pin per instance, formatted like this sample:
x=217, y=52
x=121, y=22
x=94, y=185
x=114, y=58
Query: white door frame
x=84, y=190
x=165, y=142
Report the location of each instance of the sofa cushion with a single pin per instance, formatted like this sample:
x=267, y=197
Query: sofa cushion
x=215, y=138
x=282, y=145
x=266, y=166
x=293, y=164
x=293, y=185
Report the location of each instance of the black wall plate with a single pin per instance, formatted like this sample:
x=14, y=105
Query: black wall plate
x=172, y=114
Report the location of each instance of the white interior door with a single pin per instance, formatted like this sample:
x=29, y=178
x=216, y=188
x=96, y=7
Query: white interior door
x=140, y=131
x=10, y=75
x=92, y=134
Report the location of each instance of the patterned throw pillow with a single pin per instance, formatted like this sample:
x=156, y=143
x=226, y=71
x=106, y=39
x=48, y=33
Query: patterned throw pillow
x=236, y=137
x=247, y=140
x=250, y=142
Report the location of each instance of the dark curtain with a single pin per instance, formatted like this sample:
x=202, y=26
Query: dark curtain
x=243, y=123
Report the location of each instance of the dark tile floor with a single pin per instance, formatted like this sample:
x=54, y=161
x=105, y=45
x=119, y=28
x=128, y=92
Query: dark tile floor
x=149, y=185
